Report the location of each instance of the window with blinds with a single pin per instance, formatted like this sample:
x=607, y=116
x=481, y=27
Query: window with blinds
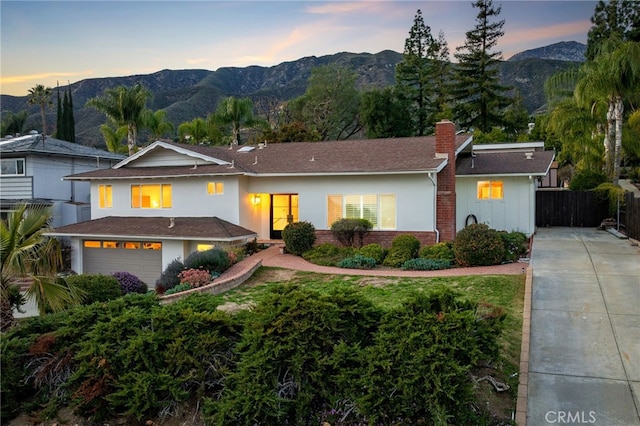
x=380, y=210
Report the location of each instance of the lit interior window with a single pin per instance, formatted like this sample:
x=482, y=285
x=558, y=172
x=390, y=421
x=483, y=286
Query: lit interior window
x=204, y=247
x=151, y=196
x=105, y=196
x=92, y=244
x=380, y=210
x=215, y=188
x=152, y=246
x=490, y=190
x=110, y=244
x=132, y=245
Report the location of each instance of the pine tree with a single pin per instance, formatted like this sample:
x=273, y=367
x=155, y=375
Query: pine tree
x=420, y=73
x=479, y=97
x=65, y=118
x=618, y=19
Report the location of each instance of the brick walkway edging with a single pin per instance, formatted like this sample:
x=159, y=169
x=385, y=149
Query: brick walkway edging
x=227, y=281
x=523, y=389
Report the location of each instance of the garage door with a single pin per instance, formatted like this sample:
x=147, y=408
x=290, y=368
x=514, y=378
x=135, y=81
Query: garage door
x=140, y=258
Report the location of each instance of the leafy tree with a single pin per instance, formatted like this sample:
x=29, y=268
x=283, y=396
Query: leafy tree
x=479, y=97
x=12, y=123
x=25, y=252
x=384, y=114
x=330, y=105
x=157, y=123
x=123, y=106
x=293, y=132
x=41, y=96
x=618, y=18
x=421, y=75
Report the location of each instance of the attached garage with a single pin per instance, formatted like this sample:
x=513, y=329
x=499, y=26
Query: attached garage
x=141, y=258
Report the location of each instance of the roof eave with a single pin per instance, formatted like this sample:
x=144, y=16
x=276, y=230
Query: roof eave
x=148, y=237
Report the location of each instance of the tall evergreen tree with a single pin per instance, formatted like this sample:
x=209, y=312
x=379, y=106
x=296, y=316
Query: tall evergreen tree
x=71, y=122
x=420, y=75
x=66, y=112
x=59, y=130
x=619, y=19
x=479, y=97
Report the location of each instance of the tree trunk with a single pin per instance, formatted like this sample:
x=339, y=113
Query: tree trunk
x=44, y=122
x=131, y=139
x=617, y=157
x=609, y=150
x=6, y=315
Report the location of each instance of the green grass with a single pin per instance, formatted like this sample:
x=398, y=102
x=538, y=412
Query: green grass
x=506, y=291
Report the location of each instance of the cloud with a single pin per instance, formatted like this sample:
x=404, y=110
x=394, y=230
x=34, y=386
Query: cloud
x=549, y=32
x=26, y=78
x=196, y=61
x=339, y=8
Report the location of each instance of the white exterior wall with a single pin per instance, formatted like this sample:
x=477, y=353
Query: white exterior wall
x=189, y=198
x=414, y=198
x=515, y=212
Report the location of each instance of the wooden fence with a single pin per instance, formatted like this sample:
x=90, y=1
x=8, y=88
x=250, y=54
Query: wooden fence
x=582, y=209
x=630, y=216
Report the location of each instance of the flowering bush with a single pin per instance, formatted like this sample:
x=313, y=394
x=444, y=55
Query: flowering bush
x=195, y=277
x=129, y=283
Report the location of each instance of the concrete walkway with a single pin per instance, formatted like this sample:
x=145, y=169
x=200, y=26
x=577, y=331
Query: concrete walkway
x=584, y=359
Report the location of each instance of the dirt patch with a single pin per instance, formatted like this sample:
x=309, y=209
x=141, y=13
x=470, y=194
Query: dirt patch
x=232, y=308
x=377, y=281
x=266, y=275
x=499, y=404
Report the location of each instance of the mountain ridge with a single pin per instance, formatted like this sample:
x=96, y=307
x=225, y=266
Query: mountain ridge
x=190, y=93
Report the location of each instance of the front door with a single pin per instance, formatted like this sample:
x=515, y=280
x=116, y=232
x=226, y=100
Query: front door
x=284, y=210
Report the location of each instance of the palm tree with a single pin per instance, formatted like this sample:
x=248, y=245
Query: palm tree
x=235, y=112
x=194, y=131
x=26, y=252
x=613, y=75
x=157, y=123
x=113, y=138
x=124, y=107
x=40, y=95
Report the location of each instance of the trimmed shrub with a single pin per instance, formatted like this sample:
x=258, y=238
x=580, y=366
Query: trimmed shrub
x=327, y=254
x=514, y=244
x=351, y=232
x=440, y=251
x=403, y=248
x=478, y=245
x=374, y=251
x=299, y=237
x=178, y=288
x=211, y=260
x=169, y=277
x=98, y=287
x=357, y=262
x=422, y=264
x=195, y=277
x=129, y=283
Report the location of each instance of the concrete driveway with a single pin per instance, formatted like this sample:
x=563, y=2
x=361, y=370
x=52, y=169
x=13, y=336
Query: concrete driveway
x=584, y=359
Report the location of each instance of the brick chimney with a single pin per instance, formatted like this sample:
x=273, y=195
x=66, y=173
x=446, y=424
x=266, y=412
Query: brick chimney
x=446, y=196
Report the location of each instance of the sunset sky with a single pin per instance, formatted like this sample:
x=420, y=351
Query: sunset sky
x=47, y=41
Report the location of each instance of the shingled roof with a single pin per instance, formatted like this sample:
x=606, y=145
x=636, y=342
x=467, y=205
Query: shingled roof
x=32, y=144
x=185, y=228
x=362, y=156
x=505, y=163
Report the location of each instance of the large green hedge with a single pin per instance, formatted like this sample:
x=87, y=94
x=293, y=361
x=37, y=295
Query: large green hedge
x=298, y=357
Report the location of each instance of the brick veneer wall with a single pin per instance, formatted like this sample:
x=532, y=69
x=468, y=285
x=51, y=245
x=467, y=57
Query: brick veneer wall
x=446, y=196
x=384, y=238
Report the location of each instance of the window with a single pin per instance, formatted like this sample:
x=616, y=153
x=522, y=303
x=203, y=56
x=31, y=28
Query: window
x=12, y=166
x=151, y=196
x=130, y=245
x=104, y=195
x=110, y=244
x=380, y=210
x=490, y=190
x=151, y=246
x=215, y=188
x=92, y=244
x=204, y=247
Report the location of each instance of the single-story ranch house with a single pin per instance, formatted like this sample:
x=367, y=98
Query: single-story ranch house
x=169, y=199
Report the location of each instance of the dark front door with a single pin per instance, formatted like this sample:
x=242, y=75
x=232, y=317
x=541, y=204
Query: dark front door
x=284, y=210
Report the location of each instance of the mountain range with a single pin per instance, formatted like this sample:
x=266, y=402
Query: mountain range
x=187, y=94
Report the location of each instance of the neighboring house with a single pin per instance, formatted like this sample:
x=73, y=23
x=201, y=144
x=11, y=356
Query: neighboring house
x=168, y=200
x=33, y=172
